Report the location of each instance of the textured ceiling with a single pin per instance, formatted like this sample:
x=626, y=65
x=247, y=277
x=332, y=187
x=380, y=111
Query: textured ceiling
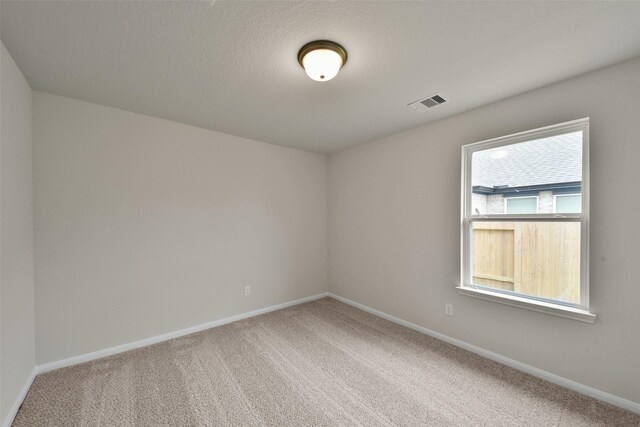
x=232, y=66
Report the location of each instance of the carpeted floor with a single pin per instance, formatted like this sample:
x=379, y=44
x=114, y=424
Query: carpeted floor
x=321, y=363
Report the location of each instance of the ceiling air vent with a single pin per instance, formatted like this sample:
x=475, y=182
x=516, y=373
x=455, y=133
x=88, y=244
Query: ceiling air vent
x=427, y=103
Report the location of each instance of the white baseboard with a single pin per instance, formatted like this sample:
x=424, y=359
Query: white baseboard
x=87, y=357
x=8, y=420
x=545, y=375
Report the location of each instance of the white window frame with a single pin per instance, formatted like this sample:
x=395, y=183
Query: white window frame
x=555, y=307
x=555, y=197
x=506, y=201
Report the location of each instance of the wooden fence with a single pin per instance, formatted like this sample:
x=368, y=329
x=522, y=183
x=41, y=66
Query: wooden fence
x=534, y=258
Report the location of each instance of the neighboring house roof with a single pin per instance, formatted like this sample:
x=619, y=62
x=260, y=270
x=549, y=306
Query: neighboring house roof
x=556, y=159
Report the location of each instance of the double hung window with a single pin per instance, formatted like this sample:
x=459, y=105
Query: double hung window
x=525, y=210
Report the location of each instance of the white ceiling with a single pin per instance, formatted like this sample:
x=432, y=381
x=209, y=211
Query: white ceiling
x=232, y=66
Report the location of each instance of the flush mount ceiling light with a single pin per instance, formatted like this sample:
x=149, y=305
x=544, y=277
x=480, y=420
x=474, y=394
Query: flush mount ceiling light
x=322, y=59
x=500, y=154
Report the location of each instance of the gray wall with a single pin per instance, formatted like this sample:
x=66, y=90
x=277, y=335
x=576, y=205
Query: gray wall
x=146, y=226
x=394, y=231
x=16, y=234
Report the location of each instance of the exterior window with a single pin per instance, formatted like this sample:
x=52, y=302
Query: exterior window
x=521, y=205
x=522, y=243
x=568, y=203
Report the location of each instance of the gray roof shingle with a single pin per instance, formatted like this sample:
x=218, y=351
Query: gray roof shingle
x=542, y=161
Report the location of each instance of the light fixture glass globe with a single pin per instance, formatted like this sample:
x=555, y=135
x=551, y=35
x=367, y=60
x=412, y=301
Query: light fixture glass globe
x=322, y=64
x=500, y=154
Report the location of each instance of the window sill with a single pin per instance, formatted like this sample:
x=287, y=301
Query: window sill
x=539, y=306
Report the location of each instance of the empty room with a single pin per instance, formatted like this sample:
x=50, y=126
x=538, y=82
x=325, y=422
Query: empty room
x=319, y=213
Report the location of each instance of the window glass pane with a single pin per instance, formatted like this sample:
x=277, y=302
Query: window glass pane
x=538, y=168
x=540, y=259
x=525, y=205
x=569, y=203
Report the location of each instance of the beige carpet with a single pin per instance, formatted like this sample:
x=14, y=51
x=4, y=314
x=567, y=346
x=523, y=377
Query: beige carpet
x=321, y=363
